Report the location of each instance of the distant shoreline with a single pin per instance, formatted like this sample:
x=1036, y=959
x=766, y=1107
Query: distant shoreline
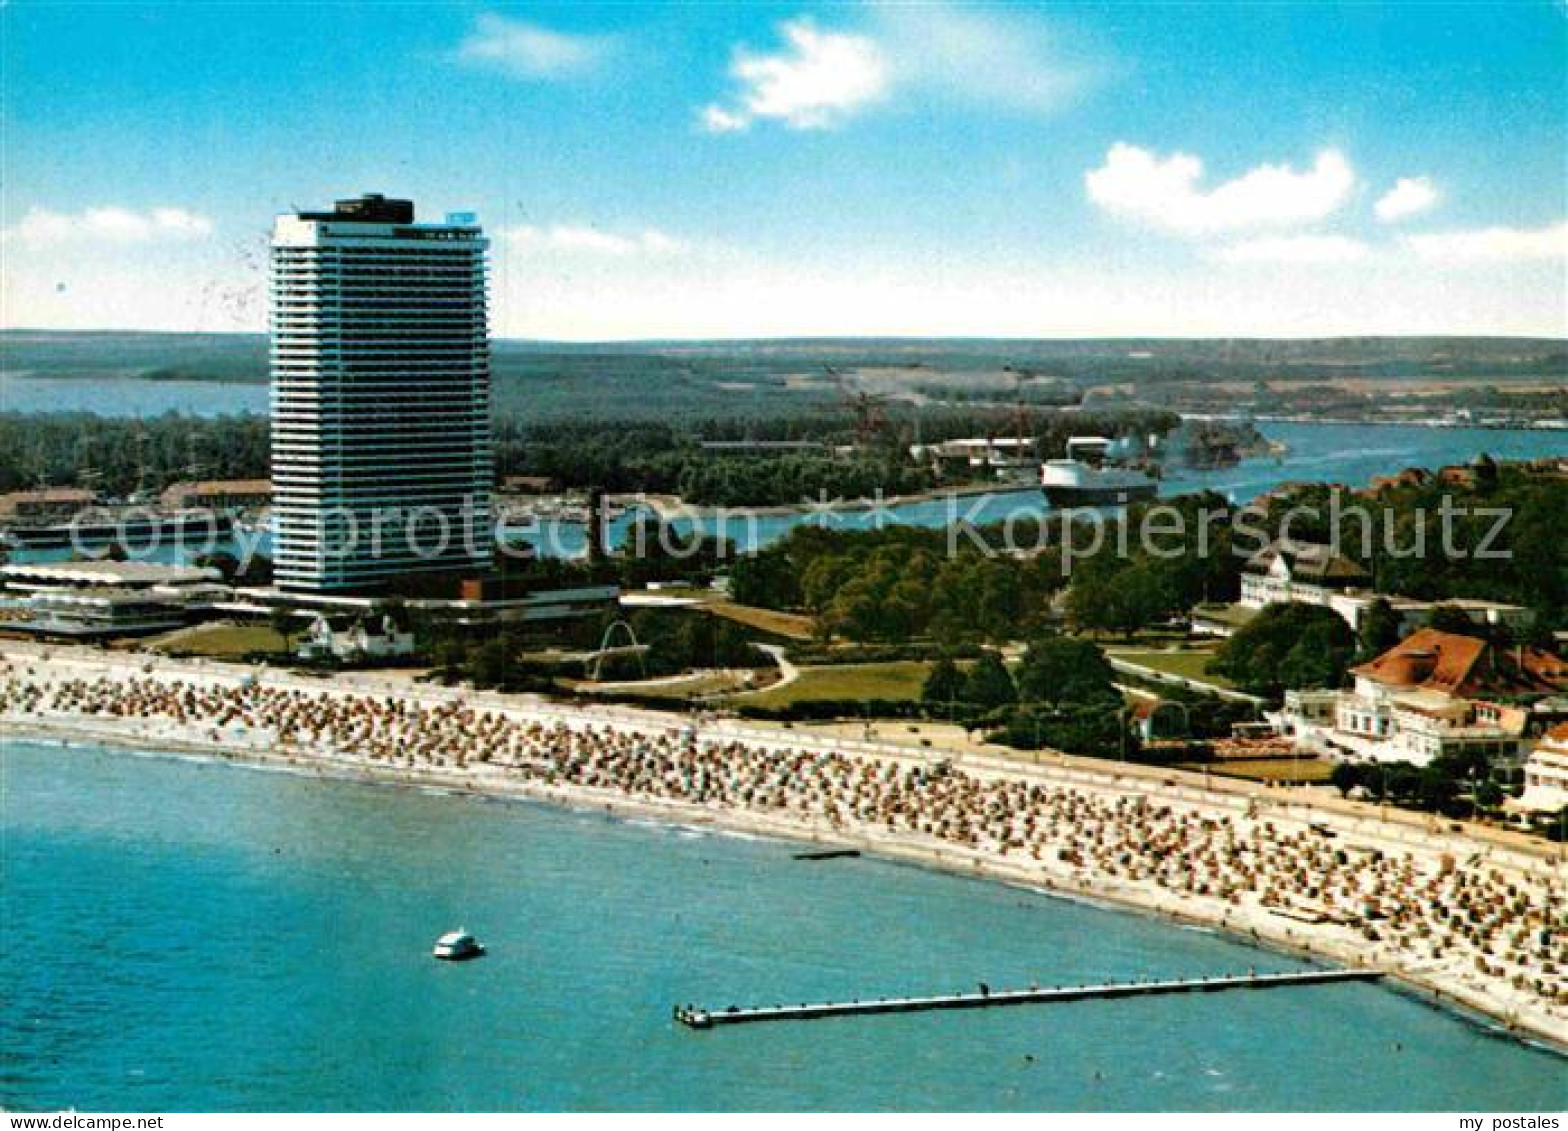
x=672, y=507
x=1341, y=422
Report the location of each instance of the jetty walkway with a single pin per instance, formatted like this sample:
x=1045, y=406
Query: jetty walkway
x=698, y=1018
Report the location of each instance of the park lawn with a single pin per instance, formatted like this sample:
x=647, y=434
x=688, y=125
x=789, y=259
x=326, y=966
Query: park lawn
x=1146, y=638
x=220, y=641
x=791, y=625
x=1189, y=665
x=900, y=679
x=693, y=687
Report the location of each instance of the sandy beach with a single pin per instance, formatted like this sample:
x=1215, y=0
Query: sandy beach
x=1474, y=921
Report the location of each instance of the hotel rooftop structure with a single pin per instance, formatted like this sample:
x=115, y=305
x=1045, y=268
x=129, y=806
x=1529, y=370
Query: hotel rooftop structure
x=381, y=460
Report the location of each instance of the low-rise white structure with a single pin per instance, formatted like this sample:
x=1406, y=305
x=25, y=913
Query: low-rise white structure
x=1007, y=457
x=1546, y=774
x=1309, y=573
x=104, y=599
x=357, y=641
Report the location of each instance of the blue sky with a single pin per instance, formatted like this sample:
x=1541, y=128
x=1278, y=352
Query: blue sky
x=713, y=170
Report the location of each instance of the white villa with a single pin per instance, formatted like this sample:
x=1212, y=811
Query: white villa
x=1312, y=574
x=1430, y=695
x=1305, y=572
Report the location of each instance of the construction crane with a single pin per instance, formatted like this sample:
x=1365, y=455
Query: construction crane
x=1020, y=416
x=192, y=467
x=869, y=409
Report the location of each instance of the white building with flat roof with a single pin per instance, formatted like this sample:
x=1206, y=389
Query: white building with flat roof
x=380, y=360
x=364, y=639
x=103, y=599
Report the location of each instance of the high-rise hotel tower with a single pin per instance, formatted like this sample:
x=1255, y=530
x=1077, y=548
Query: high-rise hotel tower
x=381, y=460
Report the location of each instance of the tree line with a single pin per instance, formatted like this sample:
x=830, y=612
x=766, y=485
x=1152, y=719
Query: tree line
x=120, y=455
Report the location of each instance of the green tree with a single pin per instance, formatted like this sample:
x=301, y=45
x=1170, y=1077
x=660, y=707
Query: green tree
x=1091, y=604
x=988, y=685
x=1060, y=669
x=1139, y=597
x=1451, y=618
x=767, y=579
x=1089, y=731
x=944, y=683
x=1123, y=600
x=1288, y=646
x=450, y=659
x=488, y=665
x=1379, y=628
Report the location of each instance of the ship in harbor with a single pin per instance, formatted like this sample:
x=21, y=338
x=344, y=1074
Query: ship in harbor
x=1087, y=477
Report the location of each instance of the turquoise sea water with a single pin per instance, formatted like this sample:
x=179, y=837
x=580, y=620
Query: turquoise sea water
x=180, y=934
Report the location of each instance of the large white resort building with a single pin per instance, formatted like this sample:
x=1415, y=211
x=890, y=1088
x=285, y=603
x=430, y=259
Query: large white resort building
x=381, y=458
x=1434, y=694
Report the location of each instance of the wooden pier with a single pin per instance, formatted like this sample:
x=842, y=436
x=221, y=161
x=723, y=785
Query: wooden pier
x=983, y=998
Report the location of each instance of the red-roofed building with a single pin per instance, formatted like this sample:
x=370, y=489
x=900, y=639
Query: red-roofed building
x=1430, y=660
x=46, y=502
x=218, y=494
x=1432, y=694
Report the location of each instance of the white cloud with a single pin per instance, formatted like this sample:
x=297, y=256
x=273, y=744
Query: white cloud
x=815, y=81
x=1498, y=245
x=820, y=78
x=993, y=58
x=109, y=224
x=716, y=119
x=531, y=51
x=1309, y=249
x=1165, y=192
x=594, y=241
x=1408, y=196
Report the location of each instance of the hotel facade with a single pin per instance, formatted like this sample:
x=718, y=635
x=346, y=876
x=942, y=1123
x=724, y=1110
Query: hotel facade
x=1433, y=695
x=380, y=365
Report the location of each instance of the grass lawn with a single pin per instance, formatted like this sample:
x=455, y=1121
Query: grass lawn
x=901, y=679
x=1189, y=665
x=697, y=685
x=1232, y=616
x=221, y=641
x=1148, y=638
x=792, y=625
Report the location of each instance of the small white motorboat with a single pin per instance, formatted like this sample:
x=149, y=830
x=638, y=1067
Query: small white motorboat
x=457, y=946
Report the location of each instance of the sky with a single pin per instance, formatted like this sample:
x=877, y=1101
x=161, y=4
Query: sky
x=713, y=170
